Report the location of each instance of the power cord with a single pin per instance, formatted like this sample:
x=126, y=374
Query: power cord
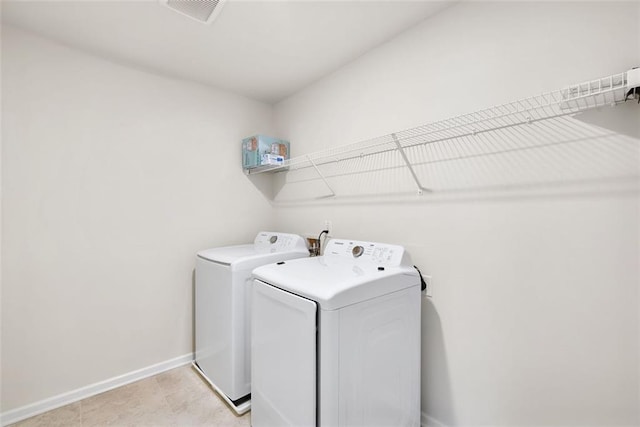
x=320, y=241
x=422, y=282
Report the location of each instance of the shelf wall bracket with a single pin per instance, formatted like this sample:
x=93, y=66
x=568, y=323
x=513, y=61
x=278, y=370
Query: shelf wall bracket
x=333, y=193
x=421, y=189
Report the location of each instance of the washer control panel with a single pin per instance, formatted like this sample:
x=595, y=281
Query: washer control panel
x=278, y=242
x=378, y=253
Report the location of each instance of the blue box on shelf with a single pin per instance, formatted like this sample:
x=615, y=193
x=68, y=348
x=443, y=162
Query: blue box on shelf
x=261, y=150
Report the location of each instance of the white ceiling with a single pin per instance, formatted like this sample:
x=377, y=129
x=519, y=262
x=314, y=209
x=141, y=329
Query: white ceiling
x=266, y=50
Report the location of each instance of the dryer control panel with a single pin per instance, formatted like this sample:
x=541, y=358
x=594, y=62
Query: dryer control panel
x=378, y=253
x=278, y=242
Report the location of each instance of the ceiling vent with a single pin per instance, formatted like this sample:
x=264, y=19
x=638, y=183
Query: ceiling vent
x=204, y=11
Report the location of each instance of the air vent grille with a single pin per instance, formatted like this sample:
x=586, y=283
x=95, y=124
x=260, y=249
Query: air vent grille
x=200, y=10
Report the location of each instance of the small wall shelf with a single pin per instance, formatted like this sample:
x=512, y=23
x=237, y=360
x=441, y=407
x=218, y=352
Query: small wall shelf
x=531, y=141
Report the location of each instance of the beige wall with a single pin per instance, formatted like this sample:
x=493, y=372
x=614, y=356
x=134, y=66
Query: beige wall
x=534, y=319
x=112, y=179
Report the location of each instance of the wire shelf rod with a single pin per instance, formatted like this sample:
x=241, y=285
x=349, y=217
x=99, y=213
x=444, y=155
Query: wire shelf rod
x=466, y=137
x=319, y=162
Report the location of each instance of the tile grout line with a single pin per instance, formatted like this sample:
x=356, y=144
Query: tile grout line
x=164, y=398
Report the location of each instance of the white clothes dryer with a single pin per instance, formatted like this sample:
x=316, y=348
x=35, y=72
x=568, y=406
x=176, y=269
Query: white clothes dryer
x=336, y=339
x=222, y=311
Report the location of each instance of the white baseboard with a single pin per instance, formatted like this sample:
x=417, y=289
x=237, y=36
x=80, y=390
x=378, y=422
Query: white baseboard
x=428, y=421
x=63, y=399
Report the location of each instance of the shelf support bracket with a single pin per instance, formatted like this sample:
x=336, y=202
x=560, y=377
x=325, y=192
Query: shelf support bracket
x=333, y=193
x=421, y=189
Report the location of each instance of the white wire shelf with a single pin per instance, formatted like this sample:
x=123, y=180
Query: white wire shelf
x=527, y=142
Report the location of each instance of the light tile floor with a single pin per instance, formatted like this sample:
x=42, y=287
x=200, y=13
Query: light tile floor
x=178, y=397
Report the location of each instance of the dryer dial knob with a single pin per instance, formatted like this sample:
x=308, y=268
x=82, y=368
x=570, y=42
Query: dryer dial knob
x=357, y=251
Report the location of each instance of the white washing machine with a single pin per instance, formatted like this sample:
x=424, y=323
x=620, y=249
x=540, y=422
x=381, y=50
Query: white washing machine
x=223, y=308
x=336, y=339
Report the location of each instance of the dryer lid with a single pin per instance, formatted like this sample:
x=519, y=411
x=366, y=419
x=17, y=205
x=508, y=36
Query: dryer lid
x=345, y=275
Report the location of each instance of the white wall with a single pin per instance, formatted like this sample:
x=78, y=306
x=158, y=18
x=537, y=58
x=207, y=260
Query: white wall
x=1, y=174
x=112, y=179
x=534, y=319
x=110, y=184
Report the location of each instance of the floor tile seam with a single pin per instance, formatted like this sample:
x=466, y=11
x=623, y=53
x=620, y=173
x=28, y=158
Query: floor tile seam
x=164, y=396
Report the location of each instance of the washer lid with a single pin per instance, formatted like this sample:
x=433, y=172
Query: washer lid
x=228, y=254
x=344, y=276
x=267, y=247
